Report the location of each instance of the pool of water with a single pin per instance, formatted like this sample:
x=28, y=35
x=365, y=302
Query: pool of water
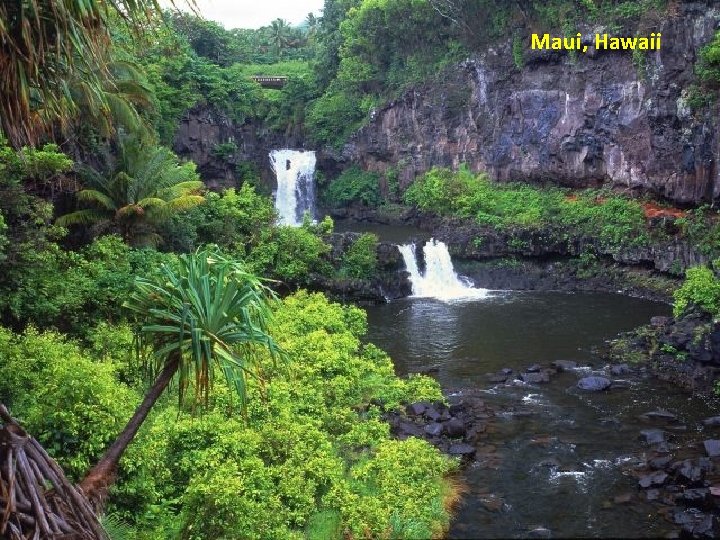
x=397, y=234
x=565, y=454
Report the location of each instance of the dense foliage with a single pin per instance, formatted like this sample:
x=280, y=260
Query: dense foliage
x=310, y=454
x=353, y=186
x=613, y=220
x=701, y=289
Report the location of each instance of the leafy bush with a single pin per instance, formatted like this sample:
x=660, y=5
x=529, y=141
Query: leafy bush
x=360, y=260
x=701, y=288
x=290, y=254
x=233, y=219
x=72, y=291
x=303, y=459
x=353, y=186
x=75, y=407
x=614, y=220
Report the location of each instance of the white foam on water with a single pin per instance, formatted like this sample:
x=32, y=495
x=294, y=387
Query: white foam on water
x=439, y=280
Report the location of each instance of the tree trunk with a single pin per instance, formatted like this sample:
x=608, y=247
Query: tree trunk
x=101, y=476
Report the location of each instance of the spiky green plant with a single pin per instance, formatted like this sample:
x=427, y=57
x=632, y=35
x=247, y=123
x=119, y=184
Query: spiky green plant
x=139, y=188
x=205, y=314
x=44, y=44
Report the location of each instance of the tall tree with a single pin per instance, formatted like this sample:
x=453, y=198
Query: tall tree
x=208, y=314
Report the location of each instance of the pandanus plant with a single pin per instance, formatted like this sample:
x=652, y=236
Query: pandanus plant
x=46, y=43
x=205, y=315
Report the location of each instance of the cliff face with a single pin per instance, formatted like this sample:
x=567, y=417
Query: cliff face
x=599, y=119
x=203, y=129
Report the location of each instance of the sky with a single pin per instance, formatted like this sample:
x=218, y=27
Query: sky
x=255, y=13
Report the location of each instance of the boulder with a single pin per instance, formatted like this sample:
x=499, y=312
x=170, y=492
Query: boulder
x=653, y=436
x=712, y=447
x=454, y=428
x=594, y=384
x=564, y=365
x=461, y=449
x=535, y=377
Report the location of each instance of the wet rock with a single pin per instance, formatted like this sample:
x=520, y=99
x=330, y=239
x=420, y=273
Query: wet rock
x=694, y=497
x=416, y=409
x=652, y=494
x=506, y=371
x=497, y=378
x=697, y=524
x=491, y=503
x=659, y=463
x=549, y=463
x=690, y=473
x=660, y=321
x=619, y=369
x=712, y=447
x=594, y=384
x=713, y=421
x=653, y=436
x=655, y=479
x=474, y=431
x=434, y=430
x=535, y=378
x=457, y=408
x=431, y=413
x=540, y=532
x=454, y=428
x=534, y=368
x=461, y=449
x=564, y=365
x=660, y=414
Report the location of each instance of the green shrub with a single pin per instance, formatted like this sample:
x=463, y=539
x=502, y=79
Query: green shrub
x=353, y=186
x=72, y=291
x=235, y=219
x=290, y=254
x=614, y=220
x=304, y=459
x=701, y=288
x=75, y=407
x=360, y=260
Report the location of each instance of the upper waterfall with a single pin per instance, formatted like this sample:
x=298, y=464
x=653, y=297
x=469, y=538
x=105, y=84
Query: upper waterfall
x=295, y=173
x=439, y=279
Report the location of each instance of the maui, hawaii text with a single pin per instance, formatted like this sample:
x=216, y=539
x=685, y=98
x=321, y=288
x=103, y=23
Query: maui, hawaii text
x=602, y=42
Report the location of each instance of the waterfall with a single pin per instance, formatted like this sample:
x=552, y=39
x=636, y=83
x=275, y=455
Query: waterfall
x=439, y=279
x=295, y=172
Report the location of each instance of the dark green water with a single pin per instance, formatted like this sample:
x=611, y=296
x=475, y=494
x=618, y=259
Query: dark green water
x=591, y=439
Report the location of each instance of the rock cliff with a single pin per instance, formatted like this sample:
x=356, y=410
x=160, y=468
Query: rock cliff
x=202, y=131
x=602, y=117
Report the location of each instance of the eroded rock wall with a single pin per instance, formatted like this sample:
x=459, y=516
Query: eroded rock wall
x=599, y=118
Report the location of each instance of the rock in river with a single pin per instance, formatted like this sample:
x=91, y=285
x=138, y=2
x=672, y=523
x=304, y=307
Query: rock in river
x=594, y=384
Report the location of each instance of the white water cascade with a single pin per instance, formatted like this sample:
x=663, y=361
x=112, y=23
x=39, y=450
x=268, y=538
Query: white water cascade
x=439, y=280
x=295, y=173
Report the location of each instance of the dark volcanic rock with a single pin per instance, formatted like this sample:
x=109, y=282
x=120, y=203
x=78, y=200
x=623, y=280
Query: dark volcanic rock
x=579, y=121
x=564, y=365
x=461, y=449
x=594, y=384
x=416, y=409
x=434, y=429
x=654, y=479
x=712, y=447
x=535, y=378
x=653, y=436
x=454, y=428
x=713, y=421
